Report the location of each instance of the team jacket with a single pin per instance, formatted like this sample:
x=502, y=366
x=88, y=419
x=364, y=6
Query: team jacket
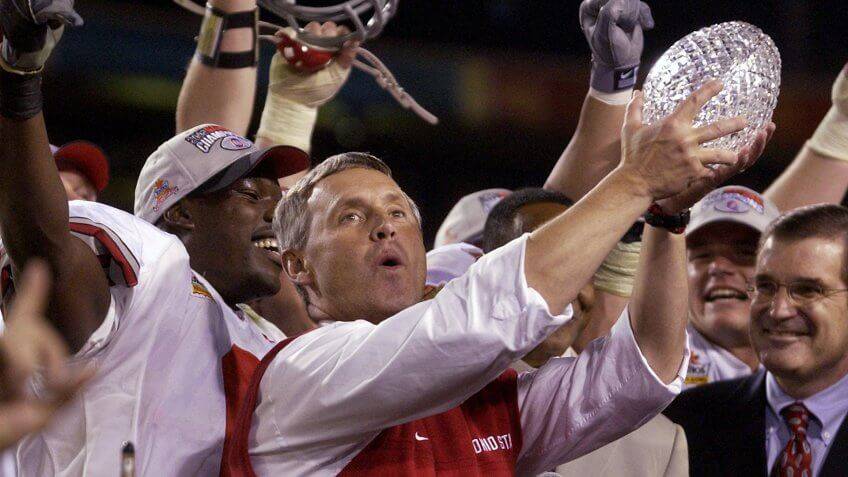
x=425, y=392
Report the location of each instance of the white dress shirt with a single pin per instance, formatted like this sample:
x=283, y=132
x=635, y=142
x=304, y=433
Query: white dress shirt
x=828, y=409
x=450, y=261
x=710, y=363
x=333, y=390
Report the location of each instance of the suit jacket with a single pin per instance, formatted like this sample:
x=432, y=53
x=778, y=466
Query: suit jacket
x=657, y=449
x=725, y=427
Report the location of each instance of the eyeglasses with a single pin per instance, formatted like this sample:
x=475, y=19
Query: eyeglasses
x=801, y=293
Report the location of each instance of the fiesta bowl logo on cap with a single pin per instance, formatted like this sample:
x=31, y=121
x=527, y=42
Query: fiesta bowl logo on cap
x=206, y=137
x=736, y=201
x=161, y=191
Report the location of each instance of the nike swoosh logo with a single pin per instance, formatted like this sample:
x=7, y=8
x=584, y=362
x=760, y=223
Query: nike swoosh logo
x=627, y=74
x=420, y=438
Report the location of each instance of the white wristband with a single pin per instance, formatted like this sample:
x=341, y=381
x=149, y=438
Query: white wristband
x=618, y=271
x=620, y=98
x=831, y=137
x=287, y=122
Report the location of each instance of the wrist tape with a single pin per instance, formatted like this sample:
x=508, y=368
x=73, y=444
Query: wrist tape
x=215, y=23
x=287, y=122
x=831, y=137
x=618, y=271
x=619, y=98
x=20, y=94
x=291, y=106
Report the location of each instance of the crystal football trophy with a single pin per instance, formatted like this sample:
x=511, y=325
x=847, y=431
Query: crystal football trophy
x=740, y=55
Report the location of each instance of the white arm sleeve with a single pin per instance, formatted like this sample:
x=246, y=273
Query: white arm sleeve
x=348, y=380
x=572, y=406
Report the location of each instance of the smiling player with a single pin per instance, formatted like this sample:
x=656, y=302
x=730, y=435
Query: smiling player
x=721, y=248
x=151, y=310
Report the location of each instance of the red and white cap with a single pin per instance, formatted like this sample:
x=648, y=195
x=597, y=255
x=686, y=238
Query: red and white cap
x=86, y=158
x=207, y=157
x=733, y=204
x=465, y=222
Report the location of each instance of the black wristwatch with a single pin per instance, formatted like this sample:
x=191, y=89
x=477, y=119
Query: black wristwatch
x=674, y=223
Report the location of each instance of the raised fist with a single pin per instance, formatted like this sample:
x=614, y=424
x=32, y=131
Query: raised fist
x=31, y=29
x=311, y=79
x=613, y=29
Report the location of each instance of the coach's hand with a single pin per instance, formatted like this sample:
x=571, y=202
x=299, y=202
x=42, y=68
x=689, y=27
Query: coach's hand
x=30, y=345
x=31, y=29
x=747, y=157
x=666, y=157
x=613, y=29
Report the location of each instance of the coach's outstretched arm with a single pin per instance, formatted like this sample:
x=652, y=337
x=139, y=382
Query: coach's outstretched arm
x=625, y=378
x=33, y=205
x=819, y=173
x=614, y=32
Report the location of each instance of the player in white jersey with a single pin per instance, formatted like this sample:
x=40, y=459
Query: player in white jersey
x=170, y=352
x=721, y=245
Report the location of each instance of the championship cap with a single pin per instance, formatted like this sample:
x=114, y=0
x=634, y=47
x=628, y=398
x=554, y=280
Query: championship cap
x=86, y=158
x=206, y=158
x=466, y=220
x=733, y=204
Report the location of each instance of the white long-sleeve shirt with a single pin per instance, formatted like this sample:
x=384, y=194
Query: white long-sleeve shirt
x=330, y=392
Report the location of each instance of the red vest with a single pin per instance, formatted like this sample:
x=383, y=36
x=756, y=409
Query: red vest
x=480, y=437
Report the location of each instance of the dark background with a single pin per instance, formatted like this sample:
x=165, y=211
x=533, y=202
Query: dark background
x=506, y=78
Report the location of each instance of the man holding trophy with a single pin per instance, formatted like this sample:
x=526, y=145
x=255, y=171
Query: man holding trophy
x=385, y=342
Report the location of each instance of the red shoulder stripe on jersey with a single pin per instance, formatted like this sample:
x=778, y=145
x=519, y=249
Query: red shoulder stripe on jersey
x=236, y=456
x=120, y=254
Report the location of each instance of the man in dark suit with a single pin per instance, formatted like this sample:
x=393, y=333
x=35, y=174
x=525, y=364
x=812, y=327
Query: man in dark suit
x=788, y=420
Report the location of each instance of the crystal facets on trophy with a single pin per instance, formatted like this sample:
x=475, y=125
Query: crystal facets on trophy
x=740, y=55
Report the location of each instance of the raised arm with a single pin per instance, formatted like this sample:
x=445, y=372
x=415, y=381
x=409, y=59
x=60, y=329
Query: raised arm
x=658, y=161
x=33, y=206
x=658, y=305
x=614, y=32
x=613, y=29
x=220, y=85
x=571, y=406
x=819, y=173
